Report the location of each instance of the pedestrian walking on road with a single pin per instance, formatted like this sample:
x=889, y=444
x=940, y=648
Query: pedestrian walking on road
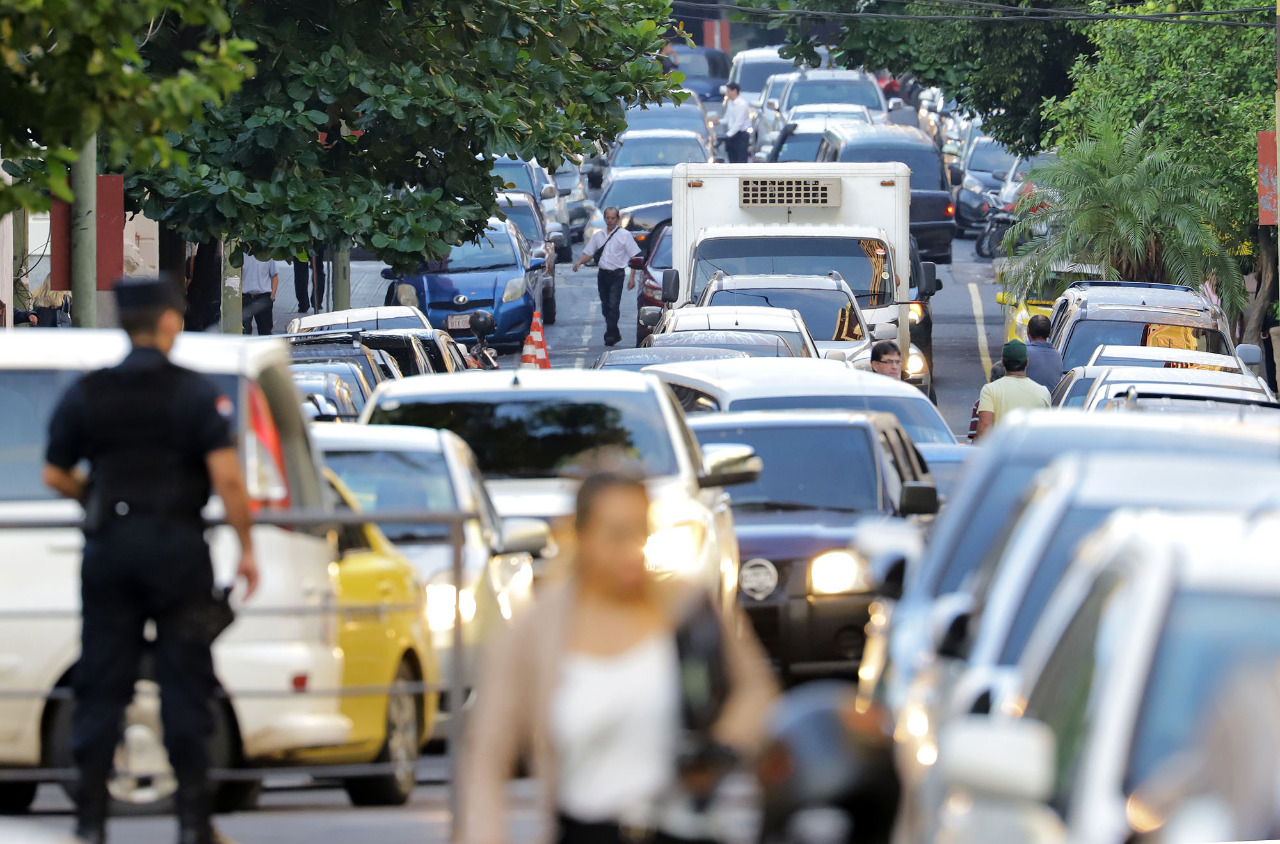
x=611, y=250
x=258, y=283
x=1044, y=363
x=1012, y=392
x=303, y=273
x=591, y=685
x=157, y=439
x=737, y=123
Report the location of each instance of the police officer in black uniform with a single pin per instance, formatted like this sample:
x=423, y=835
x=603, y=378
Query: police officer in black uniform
x=156, y=437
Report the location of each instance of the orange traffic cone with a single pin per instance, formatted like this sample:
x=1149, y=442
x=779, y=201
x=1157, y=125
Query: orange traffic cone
x=542, y=360
x=529, y=354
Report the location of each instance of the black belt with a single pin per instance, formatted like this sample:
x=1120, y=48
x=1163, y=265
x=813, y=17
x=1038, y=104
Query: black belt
x=618, y=270
x=573, y=831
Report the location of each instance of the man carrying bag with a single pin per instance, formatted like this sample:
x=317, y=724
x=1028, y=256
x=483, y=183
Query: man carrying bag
x=611, y=250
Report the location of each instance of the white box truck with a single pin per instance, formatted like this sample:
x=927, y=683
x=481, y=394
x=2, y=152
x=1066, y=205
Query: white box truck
x=795, y=218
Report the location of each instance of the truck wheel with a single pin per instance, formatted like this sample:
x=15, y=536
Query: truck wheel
x=16, y=797
x=400, y=750
x=549, y=307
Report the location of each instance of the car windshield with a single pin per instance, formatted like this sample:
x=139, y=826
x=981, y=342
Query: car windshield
x=863, y=92
x=859, y=116
x=752, y=76
x=800, y=147
x=1206, y=638
x=658, y=152
x=626, y=193
x=1089, y=334
x=924, y=161
x=1156, y=363
x=806, y=467
x=397, y=480
x=543, y=435
x=348, y=373
x=700, y=64
x=493, y=251
x=667, y=116
x=991, y=157
x=515, y=173
x=1026, y=165
x=383, y=323
x=917, y=416
x=525, y=218
x=827, y=313
x=568, y=175
x=862, y=263
x=1078, y=392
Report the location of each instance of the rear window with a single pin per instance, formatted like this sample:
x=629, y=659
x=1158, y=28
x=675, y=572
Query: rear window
x=925, y=163
x=918, y=417
x=27, y=400
x=1089, y=334
x=797, y=147
x=397, y=480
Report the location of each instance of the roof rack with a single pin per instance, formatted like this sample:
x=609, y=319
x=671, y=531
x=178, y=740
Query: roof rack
x=325, y=336
x=1086, y=284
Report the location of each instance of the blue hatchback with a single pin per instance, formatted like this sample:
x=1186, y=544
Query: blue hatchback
x=497, y=274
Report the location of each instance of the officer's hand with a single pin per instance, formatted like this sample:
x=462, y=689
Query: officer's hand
x=249, y=571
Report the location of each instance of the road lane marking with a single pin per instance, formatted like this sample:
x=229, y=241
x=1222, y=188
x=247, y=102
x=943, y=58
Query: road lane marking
x=980, y=322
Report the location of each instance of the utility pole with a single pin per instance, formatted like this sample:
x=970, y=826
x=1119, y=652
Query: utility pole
x=231, y=286
x=84, y=236
x=21, y=245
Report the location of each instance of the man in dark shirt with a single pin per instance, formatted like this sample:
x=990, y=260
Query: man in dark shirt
x=1044, y=364
x=157, y=439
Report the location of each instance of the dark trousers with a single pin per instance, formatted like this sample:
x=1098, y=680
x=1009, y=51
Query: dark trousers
x=572, y=831
x=735, y=146
x=139, y=569
x=307, y=298
x=256, y=307
x=609, y=283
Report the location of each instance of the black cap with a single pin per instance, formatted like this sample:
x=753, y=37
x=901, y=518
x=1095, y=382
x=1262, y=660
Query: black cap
x=149, y=292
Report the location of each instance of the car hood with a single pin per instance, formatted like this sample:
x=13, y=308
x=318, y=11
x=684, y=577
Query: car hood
x=474, y=285
x=792, y=535
x=552, y=498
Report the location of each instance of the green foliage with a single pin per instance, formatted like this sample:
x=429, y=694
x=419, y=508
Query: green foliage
x=1204, y=90
x=69, y=68
x=410, y=98
x=1124, y=200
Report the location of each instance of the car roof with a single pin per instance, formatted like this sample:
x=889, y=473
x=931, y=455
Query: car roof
x=818, y=125
x=1164, y=480
x=650, y=355
x=781, y=377
x=831, y=107
x=835, y=73
x=86, y=348
x=659, y=134
x=626, y=174
x=1053, y=433
x=1137, y=294
x=512, y=382
x=1146, y=375
x=702, y=338
x=854, y=134
x=796, y=229
x=737, y=317
x=797, y=418
x=331, y=436
x=1160, y=353
x=338, y=319
x=777, y=282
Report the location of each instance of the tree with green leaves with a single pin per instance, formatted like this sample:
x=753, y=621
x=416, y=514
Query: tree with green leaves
x=70, y=68
x=1122, y=199
x=373, y=123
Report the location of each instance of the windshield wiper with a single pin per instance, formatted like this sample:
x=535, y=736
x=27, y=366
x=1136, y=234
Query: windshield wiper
x=791, y=506
x=481, y=269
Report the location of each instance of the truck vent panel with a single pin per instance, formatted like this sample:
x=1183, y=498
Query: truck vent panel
x=788, y=192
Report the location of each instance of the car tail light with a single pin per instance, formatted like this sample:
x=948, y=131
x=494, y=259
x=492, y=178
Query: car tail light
x=951, y=210
x=265, y=472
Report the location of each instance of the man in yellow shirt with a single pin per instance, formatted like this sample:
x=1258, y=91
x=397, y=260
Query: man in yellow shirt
x=1012, y=392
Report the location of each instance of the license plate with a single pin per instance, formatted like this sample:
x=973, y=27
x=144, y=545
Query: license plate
x=455, y=321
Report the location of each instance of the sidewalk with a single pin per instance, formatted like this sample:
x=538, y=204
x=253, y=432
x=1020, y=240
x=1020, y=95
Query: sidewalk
x=368, y=288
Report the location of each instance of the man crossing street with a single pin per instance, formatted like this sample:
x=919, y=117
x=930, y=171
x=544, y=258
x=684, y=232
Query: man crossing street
x=737, y=123
x=611, y=249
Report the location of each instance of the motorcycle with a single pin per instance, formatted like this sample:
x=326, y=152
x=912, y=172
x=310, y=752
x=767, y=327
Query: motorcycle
x=1000, y=219
x=484, y=357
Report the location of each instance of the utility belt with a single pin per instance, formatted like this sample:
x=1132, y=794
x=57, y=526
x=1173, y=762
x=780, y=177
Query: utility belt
x=103, y=510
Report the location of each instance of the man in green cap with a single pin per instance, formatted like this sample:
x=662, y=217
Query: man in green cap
x=1012, y=392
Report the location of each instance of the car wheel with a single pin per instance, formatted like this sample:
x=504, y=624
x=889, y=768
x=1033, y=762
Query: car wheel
x=400, y=749
x=16, y=797
x=143, y=782
x=549, y=307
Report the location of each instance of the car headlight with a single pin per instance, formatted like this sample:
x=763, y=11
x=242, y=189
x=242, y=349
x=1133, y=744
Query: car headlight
x=514, y=289
x=440, y=605
x=916, y=364
x=917, y=311
x=840, y=572
x=674, y=549
x=972, y=185
x=625, y=220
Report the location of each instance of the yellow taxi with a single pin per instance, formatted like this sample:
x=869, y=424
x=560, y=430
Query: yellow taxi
x=1019, y=311
x=388, y=658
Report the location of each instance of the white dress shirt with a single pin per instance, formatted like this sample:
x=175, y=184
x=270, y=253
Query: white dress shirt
x=737, y=116
x=255, y=275
x=621, y=248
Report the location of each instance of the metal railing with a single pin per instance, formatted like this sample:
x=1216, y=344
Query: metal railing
x=316, y=519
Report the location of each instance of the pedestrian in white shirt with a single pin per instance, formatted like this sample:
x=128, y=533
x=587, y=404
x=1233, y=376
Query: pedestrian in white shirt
x=258, y=283
x=611, y=249
x=737, y=120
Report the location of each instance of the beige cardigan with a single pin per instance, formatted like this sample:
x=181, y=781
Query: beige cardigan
x=511, y=716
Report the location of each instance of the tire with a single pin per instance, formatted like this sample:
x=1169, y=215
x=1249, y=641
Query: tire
x=549, y=307
x=150, y=792
x=16, y=797
x=982, y=246
x=401, y=748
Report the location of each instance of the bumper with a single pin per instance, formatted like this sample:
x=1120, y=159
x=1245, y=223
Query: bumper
x=511, y=320
x=934, y=238
x=811, y=635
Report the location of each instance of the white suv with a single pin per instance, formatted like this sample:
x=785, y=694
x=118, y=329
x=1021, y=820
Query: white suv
x=272, y=657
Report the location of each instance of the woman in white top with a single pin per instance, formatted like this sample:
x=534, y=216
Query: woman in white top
x=587, y=684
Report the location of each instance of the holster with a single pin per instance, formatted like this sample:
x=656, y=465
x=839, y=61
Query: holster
x=203, y=620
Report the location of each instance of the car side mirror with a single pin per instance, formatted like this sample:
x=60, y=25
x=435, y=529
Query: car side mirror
x=728, y=464
x=919, y=498
x=524, y=536
x=956, y=172
x=566, y=191
x=1010, y=758
x=388, y=273
x=549, y=192
x=650, y=316
x=556, y=237
x=771, y=104
x=670, y=286
x=949, y=625
x=636, y=263
x=537, y=264
x=929, y=283
x=1249, y=354
x=896, y=103
x=885, y=331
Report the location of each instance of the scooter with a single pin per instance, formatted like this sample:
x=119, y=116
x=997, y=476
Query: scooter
x=1000, y=219
x=481, y=325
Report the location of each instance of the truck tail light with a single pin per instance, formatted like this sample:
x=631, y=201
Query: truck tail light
x=951, y=210
x=265, y=473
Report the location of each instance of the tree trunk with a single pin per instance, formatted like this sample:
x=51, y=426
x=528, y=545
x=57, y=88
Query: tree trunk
x=1265, y=269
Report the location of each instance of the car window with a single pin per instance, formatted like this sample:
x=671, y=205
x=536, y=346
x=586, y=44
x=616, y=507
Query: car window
x=455, y=355
x=799, y=146
x=661, y=258
x=1064, y=696
x=306, y=488
x=862, y=263
x=863, y=92
x=1078, y=392
x=918, y=416
x=350, y=537
x=1088, y=335
x=752, y=75
x=489, y=519
x=493, y=251
x=694, y=401
x=805, y=467
x=516, y=173
x=348, y=372
x=625, y=193
x=925, y=162
x=525, y=218
x=991, y=157
x=28, y=398
x=892, y=474
x=828, y=314
x=397, y=479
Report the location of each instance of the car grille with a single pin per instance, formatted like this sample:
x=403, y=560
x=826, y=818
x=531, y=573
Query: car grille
x=471, y=305
x=767, y=621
